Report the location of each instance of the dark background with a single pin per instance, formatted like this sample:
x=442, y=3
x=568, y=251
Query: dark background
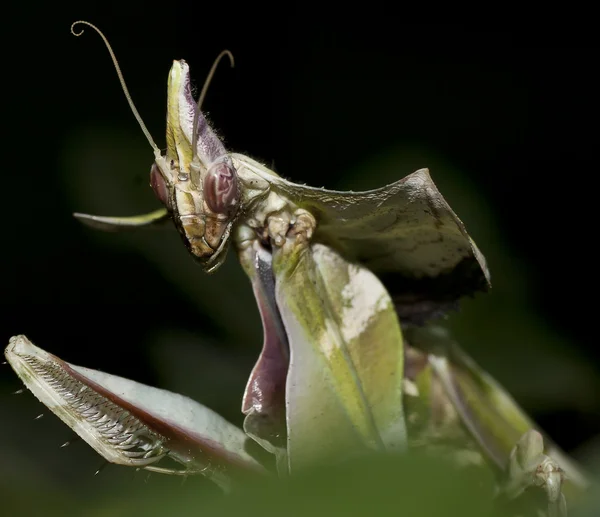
x=505, y=117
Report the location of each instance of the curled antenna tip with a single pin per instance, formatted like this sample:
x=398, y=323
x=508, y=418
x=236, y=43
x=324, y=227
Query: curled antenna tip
x=211, y=74
x=205, y=89
x=83, y=22
x=230, y=56
x=121, y=80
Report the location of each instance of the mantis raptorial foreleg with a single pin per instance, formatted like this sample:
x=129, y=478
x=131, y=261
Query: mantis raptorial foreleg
x=132, y=424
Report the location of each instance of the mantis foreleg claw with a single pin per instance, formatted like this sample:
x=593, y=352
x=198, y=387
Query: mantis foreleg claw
x=303, y=224
x=283, y=224
x=529, y=466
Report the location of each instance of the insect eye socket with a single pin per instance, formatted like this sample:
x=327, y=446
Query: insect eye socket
x=159, y=186
x=221, y=192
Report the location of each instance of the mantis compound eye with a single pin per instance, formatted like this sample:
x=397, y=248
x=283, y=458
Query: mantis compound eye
x=221, y=190
x=158, y=184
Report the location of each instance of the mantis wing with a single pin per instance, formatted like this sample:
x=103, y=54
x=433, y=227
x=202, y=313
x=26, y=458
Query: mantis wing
x=405, y=233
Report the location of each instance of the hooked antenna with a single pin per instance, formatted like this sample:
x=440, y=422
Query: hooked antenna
x=121, y=80
x=205, y=89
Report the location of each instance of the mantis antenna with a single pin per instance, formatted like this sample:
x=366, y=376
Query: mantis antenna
x=205, y=89
x=121, y=80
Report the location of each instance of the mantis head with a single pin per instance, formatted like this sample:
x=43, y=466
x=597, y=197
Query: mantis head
x=195, y=178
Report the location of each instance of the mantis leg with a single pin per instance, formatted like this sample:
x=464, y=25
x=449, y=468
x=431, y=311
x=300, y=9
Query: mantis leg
x=503, y=432
x=530, y=467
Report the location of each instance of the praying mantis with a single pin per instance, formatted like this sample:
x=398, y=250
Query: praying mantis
x=347, y=284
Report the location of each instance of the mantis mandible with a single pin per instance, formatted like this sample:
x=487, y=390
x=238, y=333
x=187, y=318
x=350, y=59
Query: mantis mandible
x=347, y=285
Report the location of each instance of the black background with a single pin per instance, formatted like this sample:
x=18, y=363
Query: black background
x=505, y=116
